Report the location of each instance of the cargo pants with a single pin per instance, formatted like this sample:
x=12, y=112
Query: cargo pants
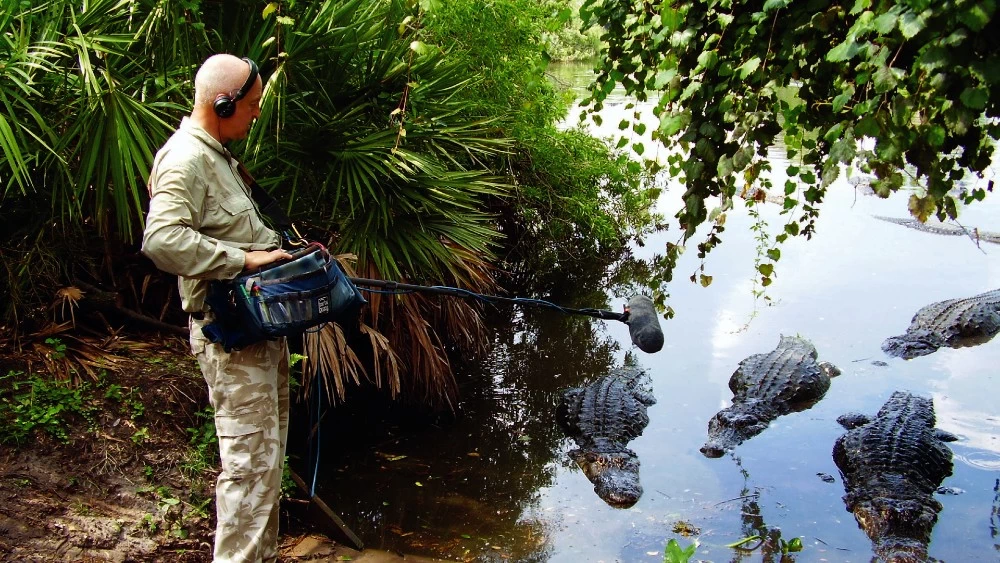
x=249, y=391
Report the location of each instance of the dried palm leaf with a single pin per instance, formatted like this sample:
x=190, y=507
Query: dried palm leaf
x=328, y=357
x=67, y=356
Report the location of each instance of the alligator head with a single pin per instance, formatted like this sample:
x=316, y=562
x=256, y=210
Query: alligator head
x=615, y=475
x=732, y=426
x=913, y=344
x=899, y=529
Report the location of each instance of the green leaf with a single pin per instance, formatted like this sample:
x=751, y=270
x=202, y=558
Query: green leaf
x=707, y=60
x=689, y=91
x=771, y=5
x=978, y=14
x=623, y=124
x=705, y=280
x=935, y=135
x=671, y=124
x=975, y=98
x=843, y=98
x=885, y=23
x=269, y=9
x=794, y=545
x=749, y=67
x=844, y=150
x=843, y=52
x=911, y=24
x=725, y=167
x=884, y=80
x=921, y=207
x=867, y=127
x=933, y=58
x=774, y=254
x=766, y=269
x=663, y=78
x=419, y=47
x=830, y=173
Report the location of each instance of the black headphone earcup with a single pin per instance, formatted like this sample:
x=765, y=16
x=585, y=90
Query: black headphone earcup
x=224, y=106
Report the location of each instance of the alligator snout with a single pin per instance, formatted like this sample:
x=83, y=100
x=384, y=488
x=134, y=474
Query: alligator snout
x=712, y=450
x=619, y=485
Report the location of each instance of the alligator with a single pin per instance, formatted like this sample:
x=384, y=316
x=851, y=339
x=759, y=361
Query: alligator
x=766, y=386
x=941, y=228
x=602, y=418
x=891, y=465
x=953, y=323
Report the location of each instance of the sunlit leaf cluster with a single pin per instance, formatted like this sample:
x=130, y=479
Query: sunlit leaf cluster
x=903, y=90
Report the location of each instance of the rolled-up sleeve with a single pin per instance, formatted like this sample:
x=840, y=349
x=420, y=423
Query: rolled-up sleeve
x=171, y=238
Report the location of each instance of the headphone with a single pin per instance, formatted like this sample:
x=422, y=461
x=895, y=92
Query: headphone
x=225, y=104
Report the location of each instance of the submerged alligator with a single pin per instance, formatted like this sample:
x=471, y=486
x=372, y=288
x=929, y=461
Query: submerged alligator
x=766, y=386
x=602, y=418
x=953, y=323
x=941, y=228
x=891, y=466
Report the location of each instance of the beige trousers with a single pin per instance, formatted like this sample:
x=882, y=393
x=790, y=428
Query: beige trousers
x=249, y=391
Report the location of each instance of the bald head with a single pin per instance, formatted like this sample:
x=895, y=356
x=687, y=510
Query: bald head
x=219, y=74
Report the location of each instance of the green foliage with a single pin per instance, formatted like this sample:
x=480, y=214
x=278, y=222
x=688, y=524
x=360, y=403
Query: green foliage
x=673, y=553
x=917, y=79
x=29, y=403
x=204, y=452
x=397, y=131
x=793, y=545
x=500, y=43
x=571, y=188
x=58, y=348
x=593, y=205
x=565, y=40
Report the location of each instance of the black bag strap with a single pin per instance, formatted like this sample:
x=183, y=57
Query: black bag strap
x=271, y=208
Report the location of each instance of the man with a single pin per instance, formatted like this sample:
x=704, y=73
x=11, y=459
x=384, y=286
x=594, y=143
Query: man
x=203, y=225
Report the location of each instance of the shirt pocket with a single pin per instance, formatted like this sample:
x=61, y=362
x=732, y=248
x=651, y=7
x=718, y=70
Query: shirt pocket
x=231, y=220
x=236, y=204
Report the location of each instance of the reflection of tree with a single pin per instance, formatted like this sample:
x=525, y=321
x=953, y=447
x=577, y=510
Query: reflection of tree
x=752, y=524
x=479, y=469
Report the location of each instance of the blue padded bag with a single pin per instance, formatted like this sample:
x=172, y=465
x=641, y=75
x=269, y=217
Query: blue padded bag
x=282, y=299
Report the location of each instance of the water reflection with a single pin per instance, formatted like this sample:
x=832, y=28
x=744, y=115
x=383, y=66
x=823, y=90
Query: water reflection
x=755, y=535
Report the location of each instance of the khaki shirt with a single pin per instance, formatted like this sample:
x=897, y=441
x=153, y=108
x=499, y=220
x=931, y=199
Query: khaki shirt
x=201, y=217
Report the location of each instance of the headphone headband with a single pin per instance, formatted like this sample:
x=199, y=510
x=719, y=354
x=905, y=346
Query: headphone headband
x=225, y=104
x=251, y=79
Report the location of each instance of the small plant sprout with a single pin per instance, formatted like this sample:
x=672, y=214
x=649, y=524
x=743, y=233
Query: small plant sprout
x=673, y=553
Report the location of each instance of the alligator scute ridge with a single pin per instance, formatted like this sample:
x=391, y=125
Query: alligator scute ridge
x=602, y=418
x=891, y=465
x=942, y=228
x=953, y=323
x=766, y=386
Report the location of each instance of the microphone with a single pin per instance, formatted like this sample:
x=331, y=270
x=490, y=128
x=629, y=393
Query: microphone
x=643, y=324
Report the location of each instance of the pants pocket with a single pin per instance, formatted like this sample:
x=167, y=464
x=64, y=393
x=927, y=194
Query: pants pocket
x=241, y=443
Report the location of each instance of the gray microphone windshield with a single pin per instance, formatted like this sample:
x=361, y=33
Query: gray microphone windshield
x=644, y=324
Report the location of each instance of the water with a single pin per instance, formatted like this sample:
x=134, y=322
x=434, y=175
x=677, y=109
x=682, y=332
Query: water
x=496, y=484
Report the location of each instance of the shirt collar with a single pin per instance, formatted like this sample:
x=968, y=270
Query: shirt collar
x=189, y=127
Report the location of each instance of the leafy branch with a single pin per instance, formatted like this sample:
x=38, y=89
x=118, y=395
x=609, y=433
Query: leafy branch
x=916, y=81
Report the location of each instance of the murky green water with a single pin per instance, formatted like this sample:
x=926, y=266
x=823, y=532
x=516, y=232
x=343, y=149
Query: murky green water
x=496, y=484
